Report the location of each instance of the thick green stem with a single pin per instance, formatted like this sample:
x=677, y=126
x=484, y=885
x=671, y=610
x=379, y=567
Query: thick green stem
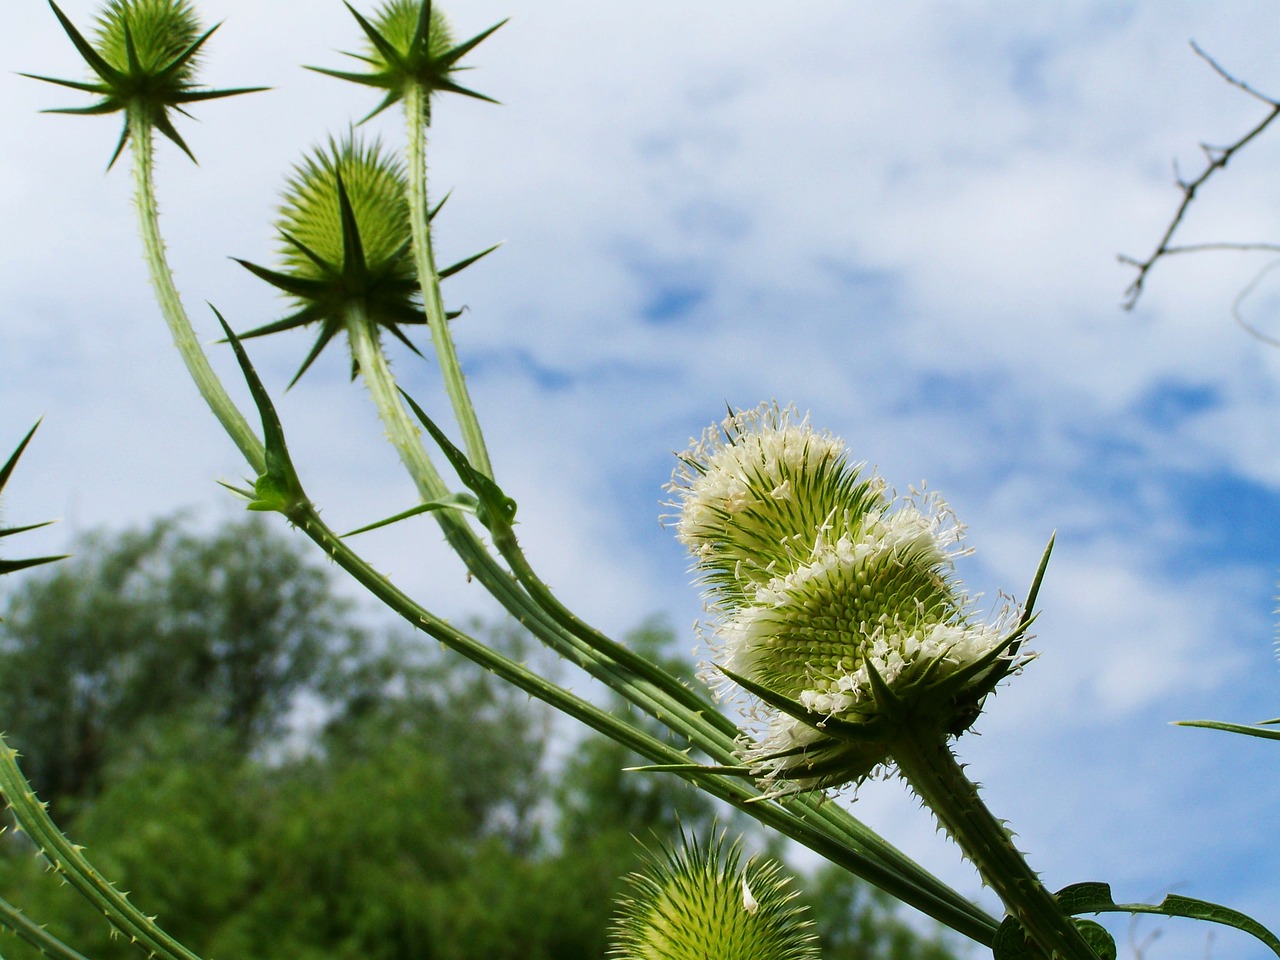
x=927, y=763
x=455, y=383
x=184, y=337
x=68, y=860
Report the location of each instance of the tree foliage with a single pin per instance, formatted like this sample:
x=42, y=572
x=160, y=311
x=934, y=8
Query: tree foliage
x=424, y=809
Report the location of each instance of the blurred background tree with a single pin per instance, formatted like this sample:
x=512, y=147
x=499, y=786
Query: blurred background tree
x=278, y=782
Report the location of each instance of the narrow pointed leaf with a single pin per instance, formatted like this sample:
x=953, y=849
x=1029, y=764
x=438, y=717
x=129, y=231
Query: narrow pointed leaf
x=353, y=262
x=455, y=501
x=1247, y=730
x=278, y=488
x=12, y=566
x=301, y=287
x=165, y=126
x=380, y=43
x=196, y=95
x=690, y=768
x=11, y=531
x=463, y=264
x=462, y=49
x=837, y=728
x=431, y=214
x=179, y=61
x=327, y=333
x=7, y=470
x=91, y=56
x=496, y=508
x=73, y=84
x=367, y=80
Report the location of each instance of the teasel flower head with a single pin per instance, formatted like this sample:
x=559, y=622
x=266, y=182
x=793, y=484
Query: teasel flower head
x=836, y=602
x=345, y=244
x=699, y=900
x=144, y=55
x=410, y=44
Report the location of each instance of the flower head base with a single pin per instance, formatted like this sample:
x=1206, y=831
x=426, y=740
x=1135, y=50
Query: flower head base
x=144, y=55
x=410, y=45
x=344, y=223
x=699, y=901
x=839, y=608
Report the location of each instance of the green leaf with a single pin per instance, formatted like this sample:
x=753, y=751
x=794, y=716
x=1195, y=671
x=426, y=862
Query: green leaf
x=494, y=508
x=1011, y=942
x=463, y=264
x=455, y=501
x=1248, y=731
x=1096, y=898
x=279, y=488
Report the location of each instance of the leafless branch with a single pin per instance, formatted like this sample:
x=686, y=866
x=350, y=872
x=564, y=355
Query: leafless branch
x=1217, y=158
x=1239, y=302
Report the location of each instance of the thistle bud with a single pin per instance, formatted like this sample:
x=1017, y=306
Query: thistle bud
x=837, y=602
x=345, y=244
x=143, y=55
x=701, y=901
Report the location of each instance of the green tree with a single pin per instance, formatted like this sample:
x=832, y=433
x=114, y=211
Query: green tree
x=144, y=625
x=427, y=811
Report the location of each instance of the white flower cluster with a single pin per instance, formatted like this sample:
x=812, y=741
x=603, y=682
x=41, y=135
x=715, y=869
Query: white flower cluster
x=821, y=580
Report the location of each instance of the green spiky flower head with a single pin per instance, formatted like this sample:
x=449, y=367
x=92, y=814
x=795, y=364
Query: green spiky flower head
x=345, y=243
x=699, y=901
x=144, y=54
x=160, y=31
x=398, y=22
x=410, y=47
x=837, y=602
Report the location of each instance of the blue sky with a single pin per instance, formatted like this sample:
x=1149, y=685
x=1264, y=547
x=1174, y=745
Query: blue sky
x=903, y=219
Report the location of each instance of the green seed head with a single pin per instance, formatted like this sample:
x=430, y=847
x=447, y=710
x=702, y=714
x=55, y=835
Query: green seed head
x=311, y=218
x=700, y=901
x=143, y=56
x=346, y=251
x=160, y=32
x=410, y=47
x=397, y=22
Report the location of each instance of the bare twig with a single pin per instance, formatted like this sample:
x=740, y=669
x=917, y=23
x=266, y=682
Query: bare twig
x=1218, y=158
x=1239, y=302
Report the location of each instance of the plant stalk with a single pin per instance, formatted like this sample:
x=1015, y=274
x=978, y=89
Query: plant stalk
x=455, y=383
x=175, y=315
x=928, y=765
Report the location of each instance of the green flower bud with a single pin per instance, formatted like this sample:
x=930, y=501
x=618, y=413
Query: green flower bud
x=346, y=244
x=159, y=31
x=397, y=22
x=700, y=901
x=410, y=45
x=838, y=603
x=144, y=55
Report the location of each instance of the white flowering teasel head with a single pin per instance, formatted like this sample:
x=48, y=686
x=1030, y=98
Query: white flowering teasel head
x=837, y=603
